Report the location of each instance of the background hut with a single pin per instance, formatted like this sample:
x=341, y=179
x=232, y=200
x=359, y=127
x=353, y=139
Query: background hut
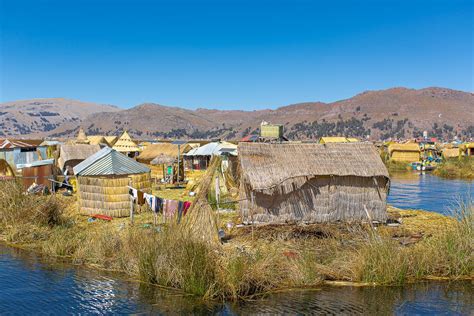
x=450, y=153
x=160, y=156
x=311, y=183
x=126, y=145
x=71, y=155
x=103, y=181
x=409, y=152
x=467, y=149
x=200, y=157
x=82, y=137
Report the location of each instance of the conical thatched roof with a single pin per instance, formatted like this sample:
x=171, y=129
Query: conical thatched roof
x=5, y=169
x=97, y=140
x=125, y=144
x=267, y=166
x=82, y=137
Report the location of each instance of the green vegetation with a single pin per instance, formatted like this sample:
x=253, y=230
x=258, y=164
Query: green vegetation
x=254, y=260
x=456, y=168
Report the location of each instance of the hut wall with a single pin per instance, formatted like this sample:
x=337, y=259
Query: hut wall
x=320, y=199
x=405, y=156
x=108, y=195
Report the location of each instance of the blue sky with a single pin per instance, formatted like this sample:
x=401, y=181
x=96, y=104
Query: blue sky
x=230, y=54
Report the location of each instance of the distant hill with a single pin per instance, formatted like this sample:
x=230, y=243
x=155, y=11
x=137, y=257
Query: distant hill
x=41, y=116
x=396, y=112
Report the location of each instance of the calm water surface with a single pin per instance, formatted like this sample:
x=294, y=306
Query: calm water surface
x=30, y=284
x=424, y=191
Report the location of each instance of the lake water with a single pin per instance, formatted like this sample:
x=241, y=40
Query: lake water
x=32, y=285
x=412, y=190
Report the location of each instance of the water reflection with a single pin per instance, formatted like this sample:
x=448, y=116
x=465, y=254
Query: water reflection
x=31, y=284
x=413, y=190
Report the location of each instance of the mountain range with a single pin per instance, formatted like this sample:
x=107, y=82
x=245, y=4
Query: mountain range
x=382, y=114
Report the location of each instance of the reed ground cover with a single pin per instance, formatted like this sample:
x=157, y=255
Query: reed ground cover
x=252, y=260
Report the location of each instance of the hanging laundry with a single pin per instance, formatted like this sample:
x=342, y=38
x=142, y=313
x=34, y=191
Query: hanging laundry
x=180, y=210
x=171, y=208
x=140, y=198
x=133, y=192
x=186, y=207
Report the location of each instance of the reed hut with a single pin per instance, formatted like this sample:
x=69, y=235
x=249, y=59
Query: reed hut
x=98, y=140
x=199, y=158
x=450, y=153
x=103, y=181
x=409, y=152
x=82, y=137
x=71, y=155
x=166, y=151
x=126, y=145
x=311, y=183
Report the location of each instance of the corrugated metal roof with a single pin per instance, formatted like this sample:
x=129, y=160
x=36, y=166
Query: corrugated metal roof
x=108, y=161
x=212, y=149
x=36, y=163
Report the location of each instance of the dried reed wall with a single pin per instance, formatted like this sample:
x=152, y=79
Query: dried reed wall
x=108, y=195
x=405, y=156
x=319, y=199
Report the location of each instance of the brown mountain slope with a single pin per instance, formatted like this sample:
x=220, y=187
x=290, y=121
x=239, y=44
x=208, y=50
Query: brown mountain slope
x=396, y=112
x=40, y=116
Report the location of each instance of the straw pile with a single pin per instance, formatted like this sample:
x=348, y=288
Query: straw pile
x=109, y=195
x=5, y=170
x=201, y=221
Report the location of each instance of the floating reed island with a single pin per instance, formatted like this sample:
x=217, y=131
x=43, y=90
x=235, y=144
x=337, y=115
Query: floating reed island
x=306, y=214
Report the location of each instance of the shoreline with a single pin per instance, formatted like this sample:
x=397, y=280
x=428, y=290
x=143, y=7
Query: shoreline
x=256, y=264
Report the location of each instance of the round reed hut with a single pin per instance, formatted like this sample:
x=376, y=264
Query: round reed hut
x=103, y=181
x=312, y=183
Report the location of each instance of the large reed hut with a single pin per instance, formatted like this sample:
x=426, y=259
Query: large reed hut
x=71, y=155
x=126, y=145
x=409, y=152
x=103, y=181
x=310, y=183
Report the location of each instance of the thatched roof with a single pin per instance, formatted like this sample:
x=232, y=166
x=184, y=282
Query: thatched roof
x=111, y=140
x=97, y=140
x=108, y=161
x=82, y=137
x=337, y=139
x=266, y=166
x=75, y=152
x=414, y=147
x=125, y=144
x=159, y=150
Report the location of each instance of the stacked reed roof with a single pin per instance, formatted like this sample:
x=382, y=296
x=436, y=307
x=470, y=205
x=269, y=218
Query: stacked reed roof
x=75, y=153
x=125, y=144
x=312, y=182
x=103, y=181
x=408, y=152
